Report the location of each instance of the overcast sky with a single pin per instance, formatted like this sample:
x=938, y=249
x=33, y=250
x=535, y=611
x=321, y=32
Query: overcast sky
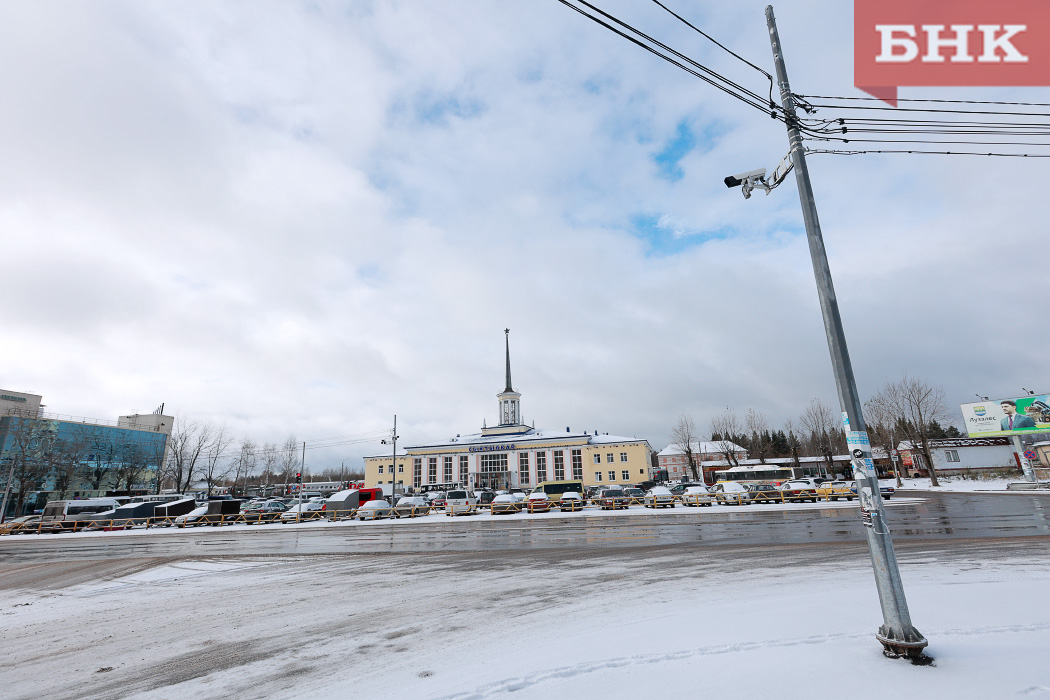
x=305, y=217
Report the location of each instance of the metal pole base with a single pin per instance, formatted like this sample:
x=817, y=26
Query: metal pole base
x=910, y=648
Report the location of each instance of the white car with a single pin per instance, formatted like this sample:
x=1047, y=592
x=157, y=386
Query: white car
x=411, y=506
x=697, y=496
x=730, y=493
x=460, y=502
x=299, y=513
x=538, y=502
x=658, y=497
x=375, y=510
x=506, y=503
x=192, y=517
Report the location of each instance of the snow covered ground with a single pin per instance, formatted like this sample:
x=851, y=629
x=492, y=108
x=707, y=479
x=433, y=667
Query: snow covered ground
x=958, y=484
x=783, y=621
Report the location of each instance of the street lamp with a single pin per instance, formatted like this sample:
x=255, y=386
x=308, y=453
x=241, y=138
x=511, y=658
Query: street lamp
x=393, y=462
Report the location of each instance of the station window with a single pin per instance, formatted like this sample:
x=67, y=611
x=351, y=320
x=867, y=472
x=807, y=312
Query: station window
x=626, y=475
x=577, y=464
x=612, y=476
x=523, y=468
x=432, y=470
x=597, y=458
x=541, y=466
x=623, y=456
x=380, y=468
x=417, y=472
x=597, y=476
x=951, y=455
x=463, y=469
x=609, y=458
x=401, y=468
x=559, y=465
x=448, y=469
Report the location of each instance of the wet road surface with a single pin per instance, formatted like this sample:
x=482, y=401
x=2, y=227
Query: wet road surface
x=937, y=516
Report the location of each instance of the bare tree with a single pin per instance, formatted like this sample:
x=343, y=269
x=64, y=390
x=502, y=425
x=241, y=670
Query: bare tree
x=246, y=462
x=215, y=467
x=271, y=459
x=189, y=441
x=725, y=430
x=684, y=436
x=819, y=422
x=72, y=454
x=289, y=459
x=881, y=421
x=918, y=407
x=759, y=443
x=29, y=438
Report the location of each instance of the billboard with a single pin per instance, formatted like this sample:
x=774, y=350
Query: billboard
x=1006, y=417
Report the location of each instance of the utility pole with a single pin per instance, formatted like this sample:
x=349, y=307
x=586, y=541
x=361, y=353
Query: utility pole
x=393, y=464
x=897, y=635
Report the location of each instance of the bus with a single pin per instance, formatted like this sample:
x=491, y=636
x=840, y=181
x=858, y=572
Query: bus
x=554, y=489
x=756, y=474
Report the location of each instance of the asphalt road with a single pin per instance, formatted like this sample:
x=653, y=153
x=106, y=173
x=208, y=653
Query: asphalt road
x=938, y=516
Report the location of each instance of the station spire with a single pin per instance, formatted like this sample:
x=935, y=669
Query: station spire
x=506, y=332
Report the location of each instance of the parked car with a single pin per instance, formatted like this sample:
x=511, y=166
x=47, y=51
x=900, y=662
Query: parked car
x=411, y=506
x=193, y=518
x=505, y=504
x=485, y=496
x=375, y=510
x=731, y=493
x=460, y=502
x=299, y=513
x=437, y=498
x=75, y=514
x=798, y=491
x=538, y=502
x=20, y=525
x=834, y=490
x=679, y=489
x=764, y=493
x=658, y=497
x=571, y=501
x=610, y=498
x=267, y=512
x=634, y=495
x=696, y=495
x=885, y=489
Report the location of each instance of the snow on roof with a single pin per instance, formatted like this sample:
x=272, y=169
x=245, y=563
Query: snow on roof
x=529, y=435
x=703, y=448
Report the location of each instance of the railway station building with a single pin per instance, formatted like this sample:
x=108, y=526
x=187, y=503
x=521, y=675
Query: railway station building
x=512, y=454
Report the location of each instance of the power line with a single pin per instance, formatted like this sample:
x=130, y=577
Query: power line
x=698, y=70
x=935, y=153
x=713, y=40
x=920, y=99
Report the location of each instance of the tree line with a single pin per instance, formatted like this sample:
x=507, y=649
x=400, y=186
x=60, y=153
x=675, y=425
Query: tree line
x=205, y=452
x=908, y=409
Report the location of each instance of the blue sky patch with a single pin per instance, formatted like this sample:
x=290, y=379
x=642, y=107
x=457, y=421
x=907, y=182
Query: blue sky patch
x=663, y=238
x=667, y=161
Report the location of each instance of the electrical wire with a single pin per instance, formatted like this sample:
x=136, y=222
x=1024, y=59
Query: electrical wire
x=697, y=70
x=722, y=46
x=935, y=153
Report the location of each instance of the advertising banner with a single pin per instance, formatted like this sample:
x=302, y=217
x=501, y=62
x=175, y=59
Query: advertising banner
x=1006, y=417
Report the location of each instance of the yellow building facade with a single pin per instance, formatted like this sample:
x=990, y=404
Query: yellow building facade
x=513, y=455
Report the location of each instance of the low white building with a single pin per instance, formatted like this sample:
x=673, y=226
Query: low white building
x=707, y=456
x=960, y=456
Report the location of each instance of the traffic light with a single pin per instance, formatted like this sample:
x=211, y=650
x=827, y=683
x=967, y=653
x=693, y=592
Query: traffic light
x=298, y=477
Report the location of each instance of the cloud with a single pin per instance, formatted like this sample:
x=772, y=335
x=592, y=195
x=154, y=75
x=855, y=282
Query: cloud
x=307, y=217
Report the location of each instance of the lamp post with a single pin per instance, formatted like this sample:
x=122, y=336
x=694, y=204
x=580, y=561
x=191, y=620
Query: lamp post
x=393, y=462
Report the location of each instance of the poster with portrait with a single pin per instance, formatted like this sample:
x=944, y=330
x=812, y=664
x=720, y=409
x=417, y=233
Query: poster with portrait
x=1006, y=417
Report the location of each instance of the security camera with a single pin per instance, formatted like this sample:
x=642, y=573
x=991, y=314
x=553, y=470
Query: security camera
x=737, y=180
